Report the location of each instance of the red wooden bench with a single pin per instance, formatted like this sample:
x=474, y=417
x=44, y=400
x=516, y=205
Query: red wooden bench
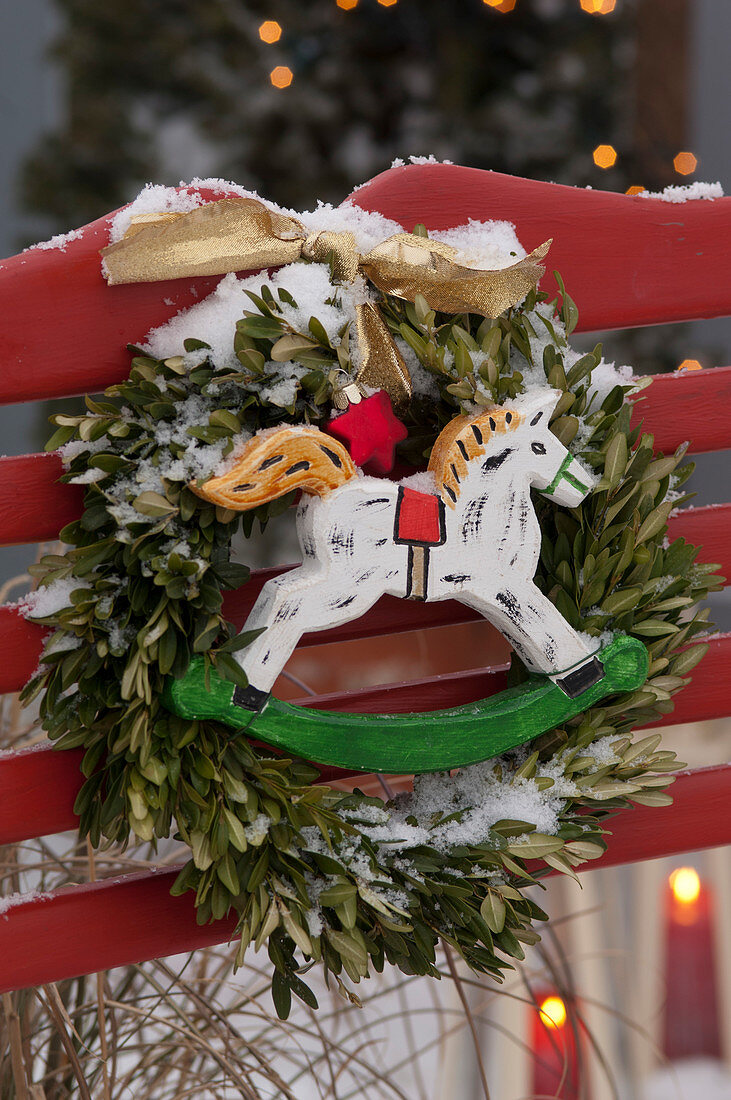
x=627, y=261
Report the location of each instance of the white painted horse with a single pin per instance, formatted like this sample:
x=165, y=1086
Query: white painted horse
x=474, y=538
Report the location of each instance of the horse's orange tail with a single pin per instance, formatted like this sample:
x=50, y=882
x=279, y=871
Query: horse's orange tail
x=273, y=463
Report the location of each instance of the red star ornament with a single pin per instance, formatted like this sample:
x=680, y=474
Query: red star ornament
x=370, y=431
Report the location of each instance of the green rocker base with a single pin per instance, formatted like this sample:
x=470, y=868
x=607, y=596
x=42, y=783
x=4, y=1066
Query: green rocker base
x=423, y=742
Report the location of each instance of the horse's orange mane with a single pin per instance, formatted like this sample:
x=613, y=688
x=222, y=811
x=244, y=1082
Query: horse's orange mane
x=463, y=439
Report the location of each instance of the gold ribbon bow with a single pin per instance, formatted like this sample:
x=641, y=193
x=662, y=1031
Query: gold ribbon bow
x=240, y=234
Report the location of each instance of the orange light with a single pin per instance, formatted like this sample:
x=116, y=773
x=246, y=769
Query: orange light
x=635, y=189
x=281, y=76
x=553, y=1012
x=685, y=883
x=270, y=31
x=685, y=163
x=689, y=364
x=500, y=5
x=387, y=3
x=605, y=156
x=347, y=5
x=598, y=7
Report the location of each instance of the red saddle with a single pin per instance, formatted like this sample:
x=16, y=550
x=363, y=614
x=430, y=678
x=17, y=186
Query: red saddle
x=419, y=518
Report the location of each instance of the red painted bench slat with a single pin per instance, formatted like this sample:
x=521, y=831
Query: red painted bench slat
x=37, y=789
x=708, y=527
x=96, y=926
x=23, y=641
x=62, y=291
x=34, y=505
x=687, y=406
x=627, y=261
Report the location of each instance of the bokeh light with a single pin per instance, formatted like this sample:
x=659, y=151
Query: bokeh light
x=689, y=364
x=281, y=76
x=387, y=3
x=347, y=5
x=605, y=156
x=635, y=189
x=685, y=163
x=598, y=7
x=553, y=1012
x=685, y=884
x=500, y=5
x=270, y=31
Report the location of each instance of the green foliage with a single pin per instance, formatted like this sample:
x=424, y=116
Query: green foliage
x=147, y=565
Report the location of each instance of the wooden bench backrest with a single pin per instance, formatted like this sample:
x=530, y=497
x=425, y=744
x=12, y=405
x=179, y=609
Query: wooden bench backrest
x=626, y=261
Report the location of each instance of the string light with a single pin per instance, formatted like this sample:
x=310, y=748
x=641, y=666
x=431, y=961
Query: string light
x=688, y=364
x=685, y=882
x=281, y=76
x=500, y=5
x=270, y=31
x=605, y=156
x=553, y=1012
x=347, y=5
x=598, y=7
x=685, y=163
x=635, y=189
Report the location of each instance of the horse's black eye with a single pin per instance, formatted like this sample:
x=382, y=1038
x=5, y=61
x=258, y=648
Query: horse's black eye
x=538, y=448
x=536, y=418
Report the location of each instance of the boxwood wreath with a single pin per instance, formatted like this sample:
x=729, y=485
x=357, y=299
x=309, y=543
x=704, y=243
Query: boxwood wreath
x=316, y=874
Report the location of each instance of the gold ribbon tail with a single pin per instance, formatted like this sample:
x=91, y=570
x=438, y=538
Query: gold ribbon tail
x=405, y=265
x=382, y=365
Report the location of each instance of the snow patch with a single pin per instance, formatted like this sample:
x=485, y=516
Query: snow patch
x=51, y=598
x=605, y=377
x=89, y=477
x=10, y=901
x=368, y=227
x=688, y=192
x=75, y=447
x=399, y=162
x=421, y=482
x=478, y=797
x=491, y=244
x=155, y=198
x=603, y=751
x=423, y=382
x=214, y=319
x=59, y=242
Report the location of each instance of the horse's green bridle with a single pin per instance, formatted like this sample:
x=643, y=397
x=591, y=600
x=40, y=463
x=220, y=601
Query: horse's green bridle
x=563, y=475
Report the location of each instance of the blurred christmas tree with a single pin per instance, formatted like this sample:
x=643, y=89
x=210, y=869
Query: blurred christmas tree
x=173, y=89
x=301, y=101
